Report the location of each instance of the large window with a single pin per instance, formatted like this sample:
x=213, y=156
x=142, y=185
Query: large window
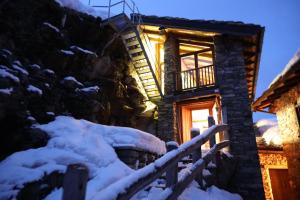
x=197, y=69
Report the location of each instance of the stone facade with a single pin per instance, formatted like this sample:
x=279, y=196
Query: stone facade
x=232, y=84
x=231, y=78
x=167, y=127
x=134, y=157
x=270, y=160
x=290, y=132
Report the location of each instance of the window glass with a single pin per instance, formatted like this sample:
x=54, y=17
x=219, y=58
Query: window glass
x=187, y=63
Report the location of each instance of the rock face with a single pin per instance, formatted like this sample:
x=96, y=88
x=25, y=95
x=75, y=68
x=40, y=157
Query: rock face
x=53, y=62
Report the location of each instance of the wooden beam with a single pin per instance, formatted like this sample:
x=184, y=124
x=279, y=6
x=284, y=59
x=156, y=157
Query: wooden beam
x=196, y=43
x=249, y=54
x=183, y=36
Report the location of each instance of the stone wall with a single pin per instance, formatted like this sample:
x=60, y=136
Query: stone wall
x=290, y=132
x=231, y=80
x=41, y=43
x=167, y=126
x=270, y=160
x=134, y=157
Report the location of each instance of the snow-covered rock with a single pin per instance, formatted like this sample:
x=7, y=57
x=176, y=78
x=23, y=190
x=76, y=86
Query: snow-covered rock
x=74, y=141
x=71, y=82
x=92, y=89
x=5, y=74
x=67, y=52
x=51, y=27
x=7, y=91
x=35, y=66
x=34, y=89
x=85, y=51
x=20, y=69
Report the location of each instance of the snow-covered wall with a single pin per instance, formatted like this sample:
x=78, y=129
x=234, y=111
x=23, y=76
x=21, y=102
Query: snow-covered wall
x=51, y=64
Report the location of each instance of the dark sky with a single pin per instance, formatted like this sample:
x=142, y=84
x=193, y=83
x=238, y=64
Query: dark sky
x=281, y=19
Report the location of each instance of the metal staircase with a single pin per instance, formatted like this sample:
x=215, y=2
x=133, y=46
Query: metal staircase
x=133, y=39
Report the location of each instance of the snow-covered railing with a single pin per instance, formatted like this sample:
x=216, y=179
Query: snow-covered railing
x=127, y=187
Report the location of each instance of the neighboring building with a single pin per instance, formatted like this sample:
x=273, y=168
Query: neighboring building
x=192, y=69
x=273, y=161
x=283, y=98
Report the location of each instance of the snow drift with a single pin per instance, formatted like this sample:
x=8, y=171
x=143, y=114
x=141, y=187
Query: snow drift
x=74, y=141
x=269, y=131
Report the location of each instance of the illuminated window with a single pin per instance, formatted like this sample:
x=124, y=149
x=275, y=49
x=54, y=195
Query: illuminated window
x=197, y=68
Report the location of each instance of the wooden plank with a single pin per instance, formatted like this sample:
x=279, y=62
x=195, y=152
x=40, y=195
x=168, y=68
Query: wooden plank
x=172, y=173
x=194, y=171
x=74, y=186
x=164, y=163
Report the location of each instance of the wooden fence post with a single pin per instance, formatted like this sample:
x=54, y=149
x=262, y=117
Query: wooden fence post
x=74, y=186
x=225, y=121
x=212, y=139
x=196, y=155
x=172, y=173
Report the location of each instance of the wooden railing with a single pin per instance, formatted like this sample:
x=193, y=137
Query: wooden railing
x=195, y=78
x=127, y=187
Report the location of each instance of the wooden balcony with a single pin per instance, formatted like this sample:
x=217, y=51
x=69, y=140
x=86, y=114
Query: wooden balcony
x=201, y=77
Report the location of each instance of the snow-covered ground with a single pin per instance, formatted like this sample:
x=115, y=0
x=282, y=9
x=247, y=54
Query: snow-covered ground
x=75, y=141
x=80, y=141
x=268, y=129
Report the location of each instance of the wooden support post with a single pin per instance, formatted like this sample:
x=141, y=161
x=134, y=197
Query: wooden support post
x=219, y=167
x=226, y=134
x=172, y=173
x=212, y=139
x=196, y=155
x=74, y=186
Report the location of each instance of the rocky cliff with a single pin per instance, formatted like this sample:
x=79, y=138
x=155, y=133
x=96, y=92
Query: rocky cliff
x=57, y=61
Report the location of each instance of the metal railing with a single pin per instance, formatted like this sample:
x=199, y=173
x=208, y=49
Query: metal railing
x=195, y=78
x=129, y=8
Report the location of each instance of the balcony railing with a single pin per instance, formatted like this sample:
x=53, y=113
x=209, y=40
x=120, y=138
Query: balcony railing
x=195, y=78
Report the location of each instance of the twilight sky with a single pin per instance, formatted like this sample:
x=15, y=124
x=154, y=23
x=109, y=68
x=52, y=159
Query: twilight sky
x=281, y=19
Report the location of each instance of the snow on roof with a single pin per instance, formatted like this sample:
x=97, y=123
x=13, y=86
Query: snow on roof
x=74, y=141
x=287, y=68
x=79, y=6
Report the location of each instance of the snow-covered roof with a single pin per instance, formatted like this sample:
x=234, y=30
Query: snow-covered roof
x=289, y=77
x=79, y=6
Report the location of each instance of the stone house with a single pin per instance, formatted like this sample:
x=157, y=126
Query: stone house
x=192, y=69
x=283, y=99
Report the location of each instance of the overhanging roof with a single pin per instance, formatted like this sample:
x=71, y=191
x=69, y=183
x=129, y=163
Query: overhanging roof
x=250, y=34
x=288, y=78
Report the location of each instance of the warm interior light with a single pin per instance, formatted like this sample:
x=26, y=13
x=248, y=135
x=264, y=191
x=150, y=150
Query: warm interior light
x=199, y=119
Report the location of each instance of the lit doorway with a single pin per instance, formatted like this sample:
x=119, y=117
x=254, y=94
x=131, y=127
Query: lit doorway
x=195, y=115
